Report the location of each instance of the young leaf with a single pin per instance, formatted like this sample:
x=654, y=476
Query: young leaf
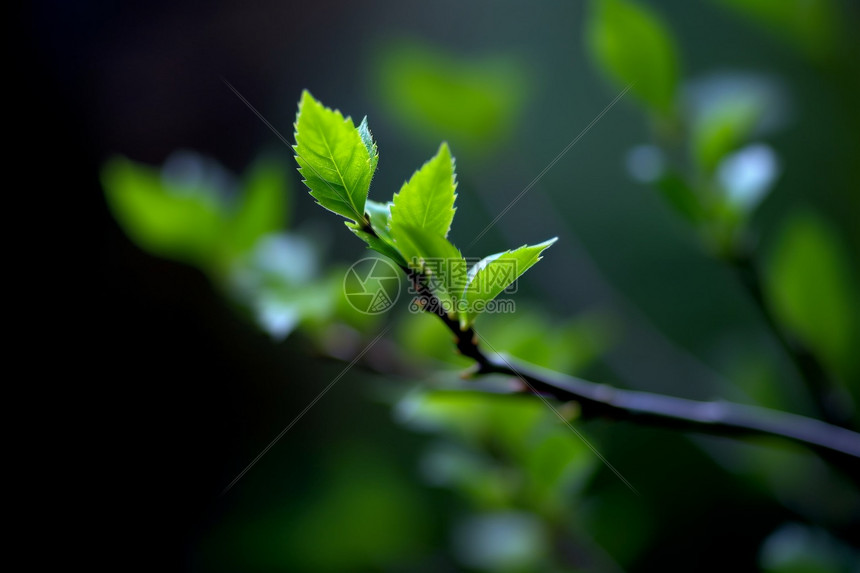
x=632, y=45
x=336, y=160
x=379, y=214
x=489, y=277
x=439, y=260
x=427, y=200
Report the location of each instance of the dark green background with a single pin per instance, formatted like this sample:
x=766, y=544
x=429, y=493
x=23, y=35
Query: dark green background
x=194, y=392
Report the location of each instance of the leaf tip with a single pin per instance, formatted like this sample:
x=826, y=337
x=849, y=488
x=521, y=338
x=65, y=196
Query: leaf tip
x=306, y=96
x=303, y=100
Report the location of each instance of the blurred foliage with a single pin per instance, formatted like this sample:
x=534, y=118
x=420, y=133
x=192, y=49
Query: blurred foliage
x=707, y=163
x=793, y=476
x=502, y=541
x=360, y=518
x=193, y=211
x=566, y=346
x=811, y=286
x=797, y=548
x=513, y=460
x=727, y=110
x=521, y=470
x=714, y=171
x=508, y=455
x=709, y=160
x=526, y=478
x=571, y=345
x=177, y=213
x=810, y=25
x=471, y=101
x=634, y=49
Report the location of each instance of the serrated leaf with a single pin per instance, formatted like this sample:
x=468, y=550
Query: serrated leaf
x=263, y=207
x=634, y=47
x=490, y=276
x=334, y=158
x=426, y=201
x=433, y=255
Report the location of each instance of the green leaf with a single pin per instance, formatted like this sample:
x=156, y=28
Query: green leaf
x=263, y=205
x=166, y=222
x=812, y=290
x=489, y=277
x=433, y=255
x=427, y=200
x=335, y=159
x=633, y=46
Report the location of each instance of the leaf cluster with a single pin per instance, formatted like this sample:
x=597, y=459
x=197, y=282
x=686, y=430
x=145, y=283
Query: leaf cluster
x=337, y=161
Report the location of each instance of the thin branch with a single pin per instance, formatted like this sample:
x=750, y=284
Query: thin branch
x=600, y=400
x=720, y=418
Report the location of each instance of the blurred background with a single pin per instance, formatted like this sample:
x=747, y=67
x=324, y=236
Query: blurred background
x=218, y=286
